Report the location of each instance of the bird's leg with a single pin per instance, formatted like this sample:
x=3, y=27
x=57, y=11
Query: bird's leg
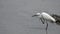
x=42, y=20
x=46, y=27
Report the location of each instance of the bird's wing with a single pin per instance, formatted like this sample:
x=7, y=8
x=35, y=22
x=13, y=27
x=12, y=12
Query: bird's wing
x=57, y=18
x=48, y=17
x=55, y=15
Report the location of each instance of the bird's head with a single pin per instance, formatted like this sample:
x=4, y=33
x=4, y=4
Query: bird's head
x=37, y=15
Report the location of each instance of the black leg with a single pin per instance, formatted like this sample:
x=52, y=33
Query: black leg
x=46, y=28
x=46, y=24
x=42, y=20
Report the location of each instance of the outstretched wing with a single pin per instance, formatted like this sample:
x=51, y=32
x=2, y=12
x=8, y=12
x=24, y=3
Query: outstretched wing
x=57, y=18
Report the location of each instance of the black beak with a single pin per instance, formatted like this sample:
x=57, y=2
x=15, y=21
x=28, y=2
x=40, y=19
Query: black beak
x=34, y=15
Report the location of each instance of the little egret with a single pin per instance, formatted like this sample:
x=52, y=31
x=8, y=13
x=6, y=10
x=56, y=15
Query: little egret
x=44, y=17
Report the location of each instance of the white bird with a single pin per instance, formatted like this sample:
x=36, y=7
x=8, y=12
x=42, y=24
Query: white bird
x=44, y=17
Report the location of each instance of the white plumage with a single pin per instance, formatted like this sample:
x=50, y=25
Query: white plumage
x=45, y=16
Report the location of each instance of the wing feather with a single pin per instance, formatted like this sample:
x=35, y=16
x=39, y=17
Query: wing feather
x=57, y=18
